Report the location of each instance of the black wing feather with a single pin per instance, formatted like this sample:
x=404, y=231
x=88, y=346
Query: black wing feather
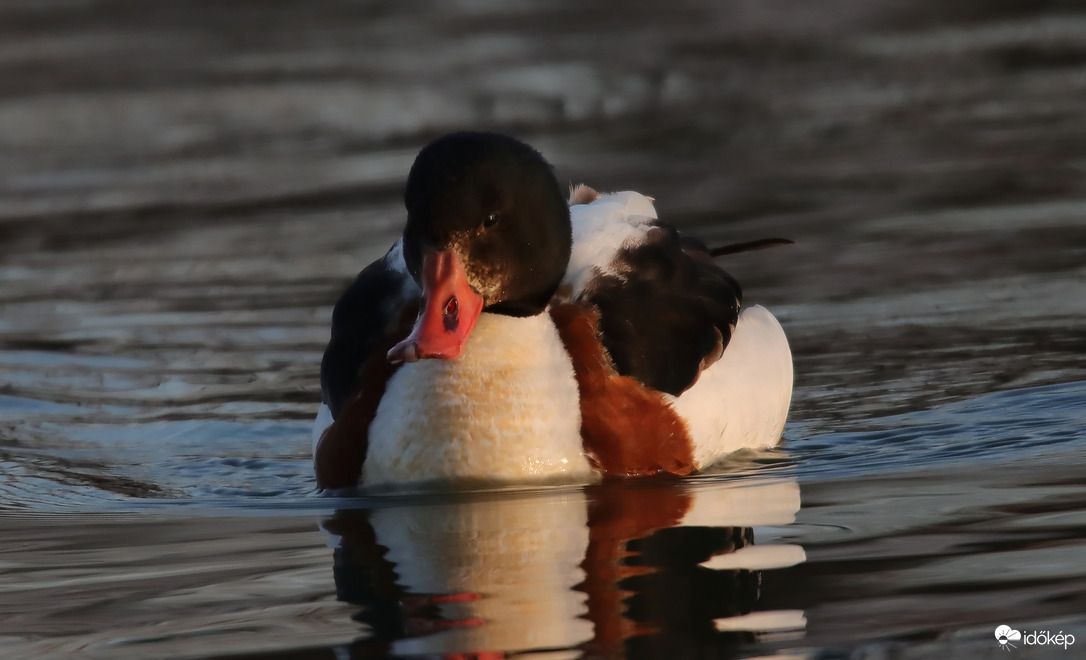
x=667, y=310
x=361, y=319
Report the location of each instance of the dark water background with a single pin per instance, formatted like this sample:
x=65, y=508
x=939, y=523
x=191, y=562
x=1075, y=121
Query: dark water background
x=185, y=188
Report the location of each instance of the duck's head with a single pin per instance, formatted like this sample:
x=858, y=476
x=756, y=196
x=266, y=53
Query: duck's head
x=487, y=230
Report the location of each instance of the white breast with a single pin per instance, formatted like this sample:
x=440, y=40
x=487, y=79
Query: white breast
x=507, y=409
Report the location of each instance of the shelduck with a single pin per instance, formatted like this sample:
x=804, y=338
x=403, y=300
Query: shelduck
x=514, y=335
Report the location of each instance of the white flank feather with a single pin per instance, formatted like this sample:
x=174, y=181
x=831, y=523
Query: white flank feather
x=741, y=401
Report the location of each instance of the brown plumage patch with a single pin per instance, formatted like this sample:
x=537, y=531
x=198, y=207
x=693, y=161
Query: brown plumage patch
x=627, y=428
x=582, y=194
x=342, y=447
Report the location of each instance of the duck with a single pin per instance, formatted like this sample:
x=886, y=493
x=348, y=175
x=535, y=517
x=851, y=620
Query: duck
x=517, y=332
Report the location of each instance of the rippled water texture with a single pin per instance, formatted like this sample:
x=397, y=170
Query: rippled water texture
x=185, y=188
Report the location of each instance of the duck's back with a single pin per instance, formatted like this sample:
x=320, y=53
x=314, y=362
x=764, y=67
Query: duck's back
x=670, y=319
x=666, y=310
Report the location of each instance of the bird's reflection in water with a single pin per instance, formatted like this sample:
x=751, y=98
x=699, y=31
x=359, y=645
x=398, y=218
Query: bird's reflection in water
x=617, y=570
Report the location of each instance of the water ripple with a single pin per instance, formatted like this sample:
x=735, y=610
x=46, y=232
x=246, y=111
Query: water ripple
x=993, y=428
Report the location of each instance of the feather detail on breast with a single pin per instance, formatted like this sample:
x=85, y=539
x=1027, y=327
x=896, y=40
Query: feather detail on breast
x=627, y=428
x=507, y=409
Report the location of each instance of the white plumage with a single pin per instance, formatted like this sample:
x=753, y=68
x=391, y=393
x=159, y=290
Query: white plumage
x=507, y=409
x=741, y=401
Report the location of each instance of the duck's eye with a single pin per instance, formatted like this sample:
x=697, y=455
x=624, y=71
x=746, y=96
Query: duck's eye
x=490, y=221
